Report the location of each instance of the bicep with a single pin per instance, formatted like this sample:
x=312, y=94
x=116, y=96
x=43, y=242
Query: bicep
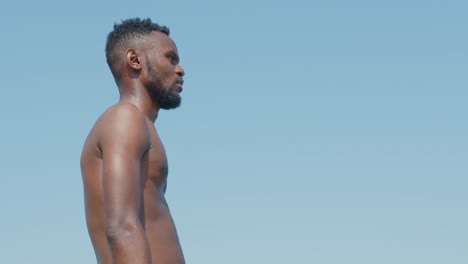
x=121, y=185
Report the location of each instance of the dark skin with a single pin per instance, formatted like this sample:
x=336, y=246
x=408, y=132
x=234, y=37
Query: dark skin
x=124, y=164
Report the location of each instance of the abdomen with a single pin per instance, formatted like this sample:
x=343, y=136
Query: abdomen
x=160, y=229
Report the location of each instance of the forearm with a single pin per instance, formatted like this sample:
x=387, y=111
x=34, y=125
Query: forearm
x=129, y=245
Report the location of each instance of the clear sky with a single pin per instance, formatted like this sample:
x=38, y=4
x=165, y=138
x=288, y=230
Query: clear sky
x=323, y=132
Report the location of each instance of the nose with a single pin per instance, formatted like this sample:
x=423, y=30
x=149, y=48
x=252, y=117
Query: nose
x=180, y=71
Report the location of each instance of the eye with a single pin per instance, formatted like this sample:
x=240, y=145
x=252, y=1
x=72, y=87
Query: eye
x=173, y=59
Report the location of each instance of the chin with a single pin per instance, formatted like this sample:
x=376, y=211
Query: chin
x=170, y=102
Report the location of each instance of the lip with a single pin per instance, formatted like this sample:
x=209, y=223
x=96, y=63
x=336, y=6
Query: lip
x=180, y=86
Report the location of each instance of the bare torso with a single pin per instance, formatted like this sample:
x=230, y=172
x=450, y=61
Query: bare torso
x=154, y=212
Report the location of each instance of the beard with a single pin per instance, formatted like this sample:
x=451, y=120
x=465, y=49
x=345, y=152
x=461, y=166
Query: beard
x=165, y=98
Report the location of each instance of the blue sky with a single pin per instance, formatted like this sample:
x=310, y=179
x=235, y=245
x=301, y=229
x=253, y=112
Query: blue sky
x=310, y=131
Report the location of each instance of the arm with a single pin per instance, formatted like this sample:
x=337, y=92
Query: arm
x=124, y=140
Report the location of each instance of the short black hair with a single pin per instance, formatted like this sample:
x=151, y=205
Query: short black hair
x=127, y=30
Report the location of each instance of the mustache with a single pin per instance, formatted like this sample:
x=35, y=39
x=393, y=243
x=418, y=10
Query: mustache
x=180, y=81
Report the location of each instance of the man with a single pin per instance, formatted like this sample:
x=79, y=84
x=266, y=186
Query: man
x=123, y=164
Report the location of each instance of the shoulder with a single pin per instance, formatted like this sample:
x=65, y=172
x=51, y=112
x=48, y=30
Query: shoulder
x=120, y=109
x=124, y=123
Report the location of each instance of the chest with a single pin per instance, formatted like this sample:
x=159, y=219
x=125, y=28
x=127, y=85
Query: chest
x=155, y=166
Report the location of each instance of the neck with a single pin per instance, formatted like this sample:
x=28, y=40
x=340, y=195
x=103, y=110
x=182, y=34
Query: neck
x=135, y=93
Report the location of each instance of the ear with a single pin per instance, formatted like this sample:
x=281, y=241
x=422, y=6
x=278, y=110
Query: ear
x=133, y=59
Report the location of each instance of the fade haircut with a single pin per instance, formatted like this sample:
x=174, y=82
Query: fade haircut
x=124, y=33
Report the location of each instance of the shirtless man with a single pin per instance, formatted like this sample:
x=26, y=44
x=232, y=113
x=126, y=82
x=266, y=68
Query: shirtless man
x=123, y=164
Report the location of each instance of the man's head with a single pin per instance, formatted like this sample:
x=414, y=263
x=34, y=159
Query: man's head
x=142, y=50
